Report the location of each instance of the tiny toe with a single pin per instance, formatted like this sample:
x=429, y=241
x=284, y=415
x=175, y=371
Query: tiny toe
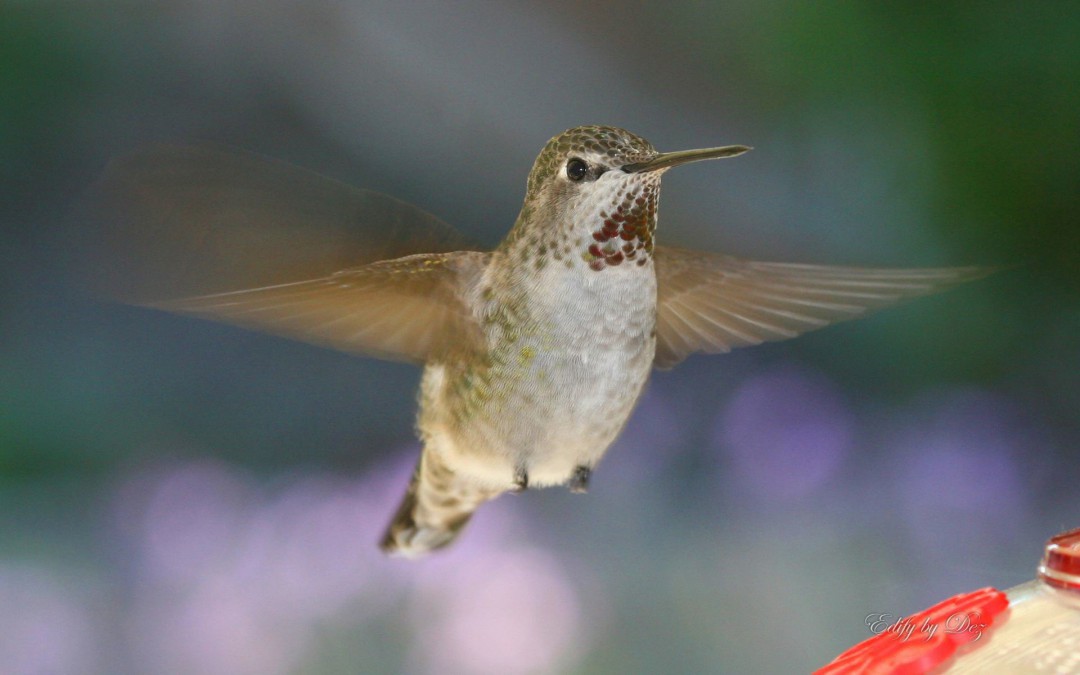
x=521, y=480
x=579, y=481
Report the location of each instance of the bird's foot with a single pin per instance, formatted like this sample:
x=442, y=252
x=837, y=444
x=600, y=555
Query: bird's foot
x=521, y=481
x=579, y=481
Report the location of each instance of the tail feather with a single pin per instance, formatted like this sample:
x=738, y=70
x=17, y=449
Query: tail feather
x=436, y=506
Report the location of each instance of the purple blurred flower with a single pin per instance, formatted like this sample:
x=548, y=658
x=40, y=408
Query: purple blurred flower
x=231, y=579
x=956, y=461
x=784, y=434
x=44, y=628
x=508, y=612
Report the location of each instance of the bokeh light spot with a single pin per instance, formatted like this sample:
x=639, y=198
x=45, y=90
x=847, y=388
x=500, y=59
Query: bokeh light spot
x=784, y=433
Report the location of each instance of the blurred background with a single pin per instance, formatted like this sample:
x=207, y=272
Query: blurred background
x=183, y=497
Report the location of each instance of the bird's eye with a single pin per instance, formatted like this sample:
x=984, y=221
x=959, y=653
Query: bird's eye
x=576, y=170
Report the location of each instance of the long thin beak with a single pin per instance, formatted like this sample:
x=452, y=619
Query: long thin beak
x=666, y=160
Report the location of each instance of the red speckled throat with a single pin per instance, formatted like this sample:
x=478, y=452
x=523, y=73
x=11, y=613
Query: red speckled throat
x=625, y=231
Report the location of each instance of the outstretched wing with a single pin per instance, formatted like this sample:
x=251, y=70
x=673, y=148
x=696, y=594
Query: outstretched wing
x=230, y=236
x=707, y=302
x=173, y=221
x=408, y=309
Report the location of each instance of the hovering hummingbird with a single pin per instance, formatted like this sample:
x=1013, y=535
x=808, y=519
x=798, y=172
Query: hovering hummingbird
x=534, y=354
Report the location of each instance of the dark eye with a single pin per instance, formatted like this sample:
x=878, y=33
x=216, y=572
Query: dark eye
x=576, y=170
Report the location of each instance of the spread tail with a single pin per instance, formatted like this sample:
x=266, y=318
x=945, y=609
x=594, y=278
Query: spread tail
x=436, y=507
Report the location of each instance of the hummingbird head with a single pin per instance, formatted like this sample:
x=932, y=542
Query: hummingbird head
x=592, y=196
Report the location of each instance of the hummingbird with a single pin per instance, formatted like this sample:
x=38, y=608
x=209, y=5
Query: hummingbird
x=534, y=354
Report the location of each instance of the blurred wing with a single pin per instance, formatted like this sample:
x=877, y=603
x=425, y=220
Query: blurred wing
x=409, y=309
x=169, y=222
x=707, y=302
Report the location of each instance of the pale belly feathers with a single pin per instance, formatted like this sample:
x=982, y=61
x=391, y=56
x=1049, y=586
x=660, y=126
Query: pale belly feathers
x=562, y=381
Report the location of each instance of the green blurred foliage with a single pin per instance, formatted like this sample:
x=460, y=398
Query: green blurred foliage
x=44, y=83
x=988, y=94
x=993, y=85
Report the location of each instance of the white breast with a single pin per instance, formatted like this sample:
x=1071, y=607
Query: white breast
x=565, y=385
